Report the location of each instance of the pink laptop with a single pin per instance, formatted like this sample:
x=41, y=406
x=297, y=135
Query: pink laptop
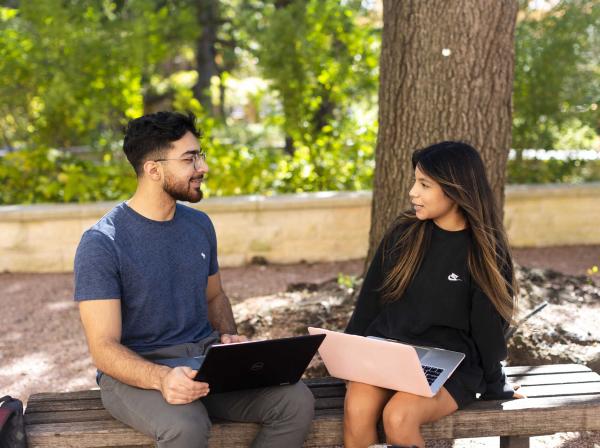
x=386, y=363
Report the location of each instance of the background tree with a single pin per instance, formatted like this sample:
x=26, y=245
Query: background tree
x=217, y=46
x=73, y=71
x=208, y=13
x=557, y=82
x=320, y=57
x=286, y=90
x=446, y=73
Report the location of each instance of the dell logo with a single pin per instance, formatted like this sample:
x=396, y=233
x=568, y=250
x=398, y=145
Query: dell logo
x=257, y=366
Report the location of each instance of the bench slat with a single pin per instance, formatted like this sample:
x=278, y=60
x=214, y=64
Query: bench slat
x=329, y=391
x=549, y=385
x=554, y=390
x=327, y=427
x=563, y=398
x=550, y=368
x=556, y=378
x=531, y=403
x=516, y=422
x=65, y=405
x=316, y=383
x=565, y=402
x=85, y=435
x=67, y=416
x=60, y=396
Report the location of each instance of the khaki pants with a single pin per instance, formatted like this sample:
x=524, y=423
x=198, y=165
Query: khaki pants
x=285, y=412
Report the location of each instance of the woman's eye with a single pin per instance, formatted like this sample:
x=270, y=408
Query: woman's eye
x=424, y=185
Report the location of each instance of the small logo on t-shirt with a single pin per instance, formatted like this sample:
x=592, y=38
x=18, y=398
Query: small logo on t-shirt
x=203, y=256
x=454, y=278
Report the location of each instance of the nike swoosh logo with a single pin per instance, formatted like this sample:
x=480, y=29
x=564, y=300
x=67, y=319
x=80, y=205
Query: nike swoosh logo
x=454, y=278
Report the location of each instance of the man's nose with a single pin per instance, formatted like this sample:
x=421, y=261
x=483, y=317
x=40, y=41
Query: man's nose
x=203, y=166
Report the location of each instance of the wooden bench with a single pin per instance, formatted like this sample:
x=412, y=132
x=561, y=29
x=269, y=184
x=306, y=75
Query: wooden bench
x=564, y=397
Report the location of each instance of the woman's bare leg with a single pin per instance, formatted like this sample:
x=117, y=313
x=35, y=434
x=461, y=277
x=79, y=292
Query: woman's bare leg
x=404, y=414
x=362, y=410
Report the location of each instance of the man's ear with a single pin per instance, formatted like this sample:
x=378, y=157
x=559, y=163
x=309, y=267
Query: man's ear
x=152, y=170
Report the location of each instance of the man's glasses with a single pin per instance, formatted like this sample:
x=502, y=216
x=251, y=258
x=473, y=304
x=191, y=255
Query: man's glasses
x=195, y=159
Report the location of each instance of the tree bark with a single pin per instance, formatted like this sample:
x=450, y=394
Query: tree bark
x=446, y=73
x=208, y=19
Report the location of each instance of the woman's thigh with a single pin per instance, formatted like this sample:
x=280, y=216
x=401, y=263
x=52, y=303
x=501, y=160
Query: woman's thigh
x=423, y=409
x=364, y=400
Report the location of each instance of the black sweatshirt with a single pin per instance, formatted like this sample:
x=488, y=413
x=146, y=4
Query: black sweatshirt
x=441, y=307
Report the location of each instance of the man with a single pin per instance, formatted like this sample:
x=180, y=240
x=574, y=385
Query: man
x=148, y=285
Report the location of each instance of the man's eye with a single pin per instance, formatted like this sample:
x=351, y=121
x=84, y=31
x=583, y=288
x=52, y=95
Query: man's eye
x=188, y=160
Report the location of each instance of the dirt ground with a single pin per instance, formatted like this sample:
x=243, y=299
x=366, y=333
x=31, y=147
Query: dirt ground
x=42, y=346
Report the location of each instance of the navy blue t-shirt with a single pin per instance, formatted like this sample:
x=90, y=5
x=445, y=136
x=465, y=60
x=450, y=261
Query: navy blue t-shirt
x=158, y=269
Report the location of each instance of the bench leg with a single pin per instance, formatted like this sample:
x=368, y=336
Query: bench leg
x=514, y=442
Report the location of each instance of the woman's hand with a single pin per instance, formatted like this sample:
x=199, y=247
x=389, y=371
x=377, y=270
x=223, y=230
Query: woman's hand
x=517, y=394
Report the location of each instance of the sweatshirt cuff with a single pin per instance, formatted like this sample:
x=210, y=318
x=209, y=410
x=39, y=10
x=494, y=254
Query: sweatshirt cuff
x=499, y=390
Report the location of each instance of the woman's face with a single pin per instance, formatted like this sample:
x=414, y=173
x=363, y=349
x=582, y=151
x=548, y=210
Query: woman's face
x=430, y=202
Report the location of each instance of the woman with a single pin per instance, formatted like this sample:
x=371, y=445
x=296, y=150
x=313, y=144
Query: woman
x=443, y=277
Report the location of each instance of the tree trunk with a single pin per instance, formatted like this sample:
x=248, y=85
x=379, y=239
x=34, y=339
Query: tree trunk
x=446, y=73
x=208, y=19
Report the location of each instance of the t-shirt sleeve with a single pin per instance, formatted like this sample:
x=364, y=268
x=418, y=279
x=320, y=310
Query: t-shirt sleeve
x=96, y=270
x=213, y=268
x=488, y=329
x=368, y=304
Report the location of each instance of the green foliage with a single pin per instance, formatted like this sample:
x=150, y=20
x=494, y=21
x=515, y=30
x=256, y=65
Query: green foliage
x=246, y=166
x=552, y=171
x=348, y=282
x=557, y=74
x=321, y=61
x=71, y=70
x=44, y=175
x=322, y=64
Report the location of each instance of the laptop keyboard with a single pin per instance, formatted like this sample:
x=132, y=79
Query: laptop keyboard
x=431, y=373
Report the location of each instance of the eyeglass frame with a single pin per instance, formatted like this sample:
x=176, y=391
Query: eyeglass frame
x=195, y=158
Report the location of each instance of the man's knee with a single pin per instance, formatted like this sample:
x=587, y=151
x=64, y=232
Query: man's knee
x=296, y=403
x=190, y=429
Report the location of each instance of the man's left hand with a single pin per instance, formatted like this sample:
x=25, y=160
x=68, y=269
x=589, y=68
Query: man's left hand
x=229, y=338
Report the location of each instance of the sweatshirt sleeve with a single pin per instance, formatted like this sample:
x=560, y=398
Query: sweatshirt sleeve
x=368, y=304
x=488, y=328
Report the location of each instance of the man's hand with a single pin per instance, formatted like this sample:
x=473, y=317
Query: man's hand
x=178, y=386
x=229, y=338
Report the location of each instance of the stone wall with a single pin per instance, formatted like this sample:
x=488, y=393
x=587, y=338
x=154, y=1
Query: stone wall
x=552, y=215
x=322, y=226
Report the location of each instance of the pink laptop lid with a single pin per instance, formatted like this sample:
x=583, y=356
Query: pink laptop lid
x=386, y=364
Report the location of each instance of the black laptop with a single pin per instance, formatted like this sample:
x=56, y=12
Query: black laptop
x=252, y=364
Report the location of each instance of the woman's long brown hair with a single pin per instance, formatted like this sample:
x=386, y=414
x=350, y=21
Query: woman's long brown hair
x=459, y=170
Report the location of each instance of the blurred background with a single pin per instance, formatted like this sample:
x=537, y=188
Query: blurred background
x=285, y=92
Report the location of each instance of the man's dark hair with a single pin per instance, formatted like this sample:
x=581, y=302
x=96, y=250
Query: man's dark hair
x=149, y=136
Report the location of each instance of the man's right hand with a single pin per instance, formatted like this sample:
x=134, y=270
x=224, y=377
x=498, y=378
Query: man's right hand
x=178, y=386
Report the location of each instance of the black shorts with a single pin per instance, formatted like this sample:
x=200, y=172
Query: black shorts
x=458, y=391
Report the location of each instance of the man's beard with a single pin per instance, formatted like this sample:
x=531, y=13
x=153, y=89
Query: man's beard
x=182, y=190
